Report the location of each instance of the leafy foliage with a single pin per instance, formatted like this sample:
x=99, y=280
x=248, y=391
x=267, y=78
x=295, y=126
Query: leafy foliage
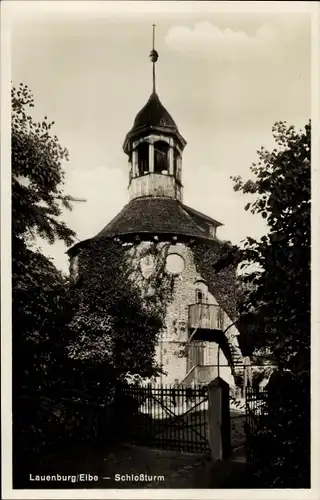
x=218, y=270
x=68, y=342
x=40, y=302
x=277, y=293
x=37, y=200
x=110, y=325
x=275, y=307
x=37, y=175
x=279, y=442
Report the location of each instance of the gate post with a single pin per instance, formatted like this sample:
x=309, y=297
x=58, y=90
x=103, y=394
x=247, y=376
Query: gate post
x=219, y=419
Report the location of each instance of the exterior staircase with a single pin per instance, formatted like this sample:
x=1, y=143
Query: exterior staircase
x=241, y=365
x=207, y=320
x=199, y=375
x=236, y=358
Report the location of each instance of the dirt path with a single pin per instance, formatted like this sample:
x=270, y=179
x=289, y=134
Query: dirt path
x=124, y=466
x=205, y=474
x=128, y=467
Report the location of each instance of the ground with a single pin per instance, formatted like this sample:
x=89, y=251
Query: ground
x=121, y=459
x=179, y=469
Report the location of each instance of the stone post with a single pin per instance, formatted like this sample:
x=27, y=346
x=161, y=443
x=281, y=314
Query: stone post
x=219, y=419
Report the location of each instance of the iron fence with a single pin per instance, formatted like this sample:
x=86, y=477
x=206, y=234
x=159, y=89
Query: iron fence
x=256, y=423
x=165, y=416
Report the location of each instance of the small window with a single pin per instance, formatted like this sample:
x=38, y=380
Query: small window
x=212, y=230
x=199, y=296
x=201, y=292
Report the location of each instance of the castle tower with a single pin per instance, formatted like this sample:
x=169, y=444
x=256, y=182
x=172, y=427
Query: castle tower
x=172, y=248
x=154, y=147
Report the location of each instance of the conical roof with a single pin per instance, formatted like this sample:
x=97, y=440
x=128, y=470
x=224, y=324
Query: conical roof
x=151, y=215
x=153, y=116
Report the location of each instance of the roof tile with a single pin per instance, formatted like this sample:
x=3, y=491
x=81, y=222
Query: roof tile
x=155, y=215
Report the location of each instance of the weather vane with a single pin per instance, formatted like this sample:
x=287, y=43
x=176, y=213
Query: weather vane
x=154, y=56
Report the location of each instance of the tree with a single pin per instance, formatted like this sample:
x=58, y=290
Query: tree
x=112, y=326
x=277, y=294
x=37, y=175
x=39, y=291
x=276, y=303
x=58, y=339
x=37, y=201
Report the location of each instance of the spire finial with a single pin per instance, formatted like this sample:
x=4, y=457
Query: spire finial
x=153, y=35
x=154, y=56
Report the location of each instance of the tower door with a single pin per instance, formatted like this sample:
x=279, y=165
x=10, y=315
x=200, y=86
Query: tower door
x=196, y=354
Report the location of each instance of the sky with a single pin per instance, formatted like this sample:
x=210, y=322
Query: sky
x=225, y=77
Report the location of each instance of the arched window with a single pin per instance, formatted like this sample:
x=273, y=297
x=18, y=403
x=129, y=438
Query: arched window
x=176, y=164
x=161, y=157
x=201, y=292
x=143, y=158
x=199, y=296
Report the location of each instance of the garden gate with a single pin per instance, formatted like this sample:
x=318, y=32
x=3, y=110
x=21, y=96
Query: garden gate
x=169, y=417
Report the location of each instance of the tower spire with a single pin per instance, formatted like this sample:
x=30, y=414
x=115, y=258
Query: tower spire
x=154, y=56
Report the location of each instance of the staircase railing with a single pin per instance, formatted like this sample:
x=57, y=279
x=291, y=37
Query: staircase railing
x=200, y=374
x=190, y=377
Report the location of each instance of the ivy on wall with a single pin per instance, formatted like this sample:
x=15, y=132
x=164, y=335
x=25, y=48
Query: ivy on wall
x=111, y=326
x=156, y=288
x=122, y=310
x=223, y=283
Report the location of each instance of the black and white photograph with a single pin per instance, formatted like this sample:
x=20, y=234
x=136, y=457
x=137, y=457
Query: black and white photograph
x=156, y=248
